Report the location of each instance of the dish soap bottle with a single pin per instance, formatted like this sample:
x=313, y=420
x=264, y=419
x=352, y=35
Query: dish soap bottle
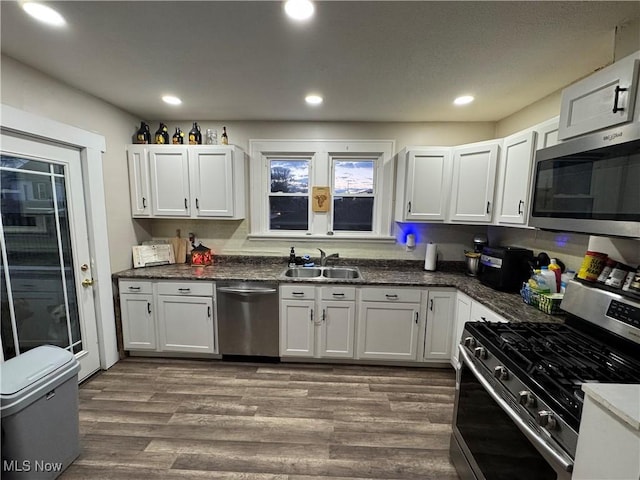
x=292, y=258
x=224, y=139
x=557, y=271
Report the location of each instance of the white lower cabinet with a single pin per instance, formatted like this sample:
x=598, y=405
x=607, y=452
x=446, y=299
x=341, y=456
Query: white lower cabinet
x=168, y=316
x=462, y=316
x=440, y=323
x=137, y=314
x=481, y=313
x=388, y=323
x=317, y=321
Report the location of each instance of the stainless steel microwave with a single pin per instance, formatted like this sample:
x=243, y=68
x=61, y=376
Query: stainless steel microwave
x=590, y=184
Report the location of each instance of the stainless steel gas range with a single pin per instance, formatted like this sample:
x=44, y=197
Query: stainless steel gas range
x=518, y=392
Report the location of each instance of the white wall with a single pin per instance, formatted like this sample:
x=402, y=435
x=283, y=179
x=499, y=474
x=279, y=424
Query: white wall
x=30, y=90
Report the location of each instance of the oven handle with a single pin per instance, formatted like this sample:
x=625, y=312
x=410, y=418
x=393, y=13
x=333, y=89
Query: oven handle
x=560, y=457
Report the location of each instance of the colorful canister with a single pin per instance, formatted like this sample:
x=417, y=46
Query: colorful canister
x=592, y=266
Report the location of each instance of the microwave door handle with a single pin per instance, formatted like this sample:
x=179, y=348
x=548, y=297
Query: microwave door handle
x=560, y=458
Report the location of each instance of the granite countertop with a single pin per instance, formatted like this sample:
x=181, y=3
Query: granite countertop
x=390, y=273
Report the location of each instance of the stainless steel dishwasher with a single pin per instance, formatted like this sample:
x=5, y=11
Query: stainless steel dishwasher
x=248, y=318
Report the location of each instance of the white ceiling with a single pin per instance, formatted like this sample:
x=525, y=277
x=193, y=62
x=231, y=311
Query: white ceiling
x=372, y=60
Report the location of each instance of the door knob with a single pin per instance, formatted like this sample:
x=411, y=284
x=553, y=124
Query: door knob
x=87, y=282
x=84, y=267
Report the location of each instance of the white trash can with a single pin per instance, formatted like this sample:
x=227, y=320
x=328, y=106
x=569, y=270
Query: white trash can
x=39, y=413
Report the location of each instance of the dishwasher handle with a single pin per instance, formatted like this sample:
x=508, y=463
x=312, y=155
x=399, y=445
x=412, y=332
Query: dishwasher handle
x=247, y=291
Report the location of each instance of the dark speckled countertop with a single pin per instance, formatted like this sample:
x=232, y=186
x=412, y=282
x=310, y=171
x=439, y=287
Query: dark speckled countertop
x=391, y=273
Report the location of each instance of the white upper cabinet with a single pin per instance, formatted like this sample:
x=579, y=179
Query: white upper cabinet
x=512, y=199
x=215, y=179
x=474, y=174
x=423, y=184
x=139, y=185
x=196, y=181
x=547, y=133
x=602, y=100
x=169, y=172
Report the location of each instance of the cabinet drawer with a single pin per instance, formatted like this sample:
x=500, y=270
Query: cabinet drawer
x=201, y=289
x=297, y=291
x=134, y=286
x=390, y=295
x=338, y=293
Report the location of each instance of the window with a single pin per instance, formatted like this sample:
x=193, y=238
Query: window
x=353, y=193
x=357, y=174
x=288, y=194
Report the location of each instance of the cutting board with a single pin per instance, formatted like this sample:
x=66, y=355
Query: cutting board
x=180, y=246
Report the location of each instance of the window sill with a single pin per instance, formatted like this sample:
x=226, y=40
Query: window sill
x=315, y=238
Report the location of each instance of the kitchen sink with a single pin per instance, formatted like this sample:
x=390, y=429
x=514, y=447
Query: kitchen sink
x=302, y=272
x=323, y=273
x=341, y=272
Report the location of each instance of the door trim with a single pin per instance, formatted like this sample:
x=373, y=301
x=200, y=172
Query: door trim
x=91, y=146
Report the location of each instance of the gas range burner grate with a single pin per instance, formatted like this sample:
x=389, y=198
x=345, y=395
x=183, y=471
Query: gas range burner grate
x=557, y=358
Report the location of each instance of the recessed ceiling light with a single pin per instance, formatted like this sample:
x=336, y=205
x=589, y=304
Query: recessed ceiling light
x=313, y=99
x=463, y=100
x=44, y=13
x=299, y=9
x=171, y=100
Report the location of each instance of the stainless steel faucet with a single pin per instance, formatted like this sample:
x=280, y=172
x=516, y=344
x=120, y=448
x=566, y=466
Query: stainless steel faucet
x=324, y=257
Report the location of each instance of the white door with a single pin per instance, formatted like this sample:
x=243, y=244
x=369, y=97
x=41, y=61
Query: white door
x=297, y=327
x=186, y=324
x=169, y=170
x=46, y=288
x=428, y=184
x=513, y=197
x=388, y=331
x=337, y=329
x=440, y=322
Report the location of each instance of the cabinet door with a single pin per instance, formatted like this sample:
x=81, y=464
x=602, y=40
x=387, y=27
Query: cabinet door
x=427, y=182
x=463, y=314
x=186, y=324
x=139, y=188
x=297, y=328
x=138, y=322
x=212, y=173
x=602, y=100
x=547, y=133
x=474, y=174
x=440, y=322
x=515, y=178
x=480, y=313
x=388, y=331
x=169, y=167
x=337, y=329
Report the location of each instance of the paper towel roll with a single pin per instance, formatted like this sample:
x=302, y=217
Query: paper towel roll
x=431, y=258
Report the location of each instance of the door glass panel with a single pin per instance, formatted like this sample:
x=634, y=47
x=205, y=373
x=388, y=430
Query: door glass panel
x=39, y=301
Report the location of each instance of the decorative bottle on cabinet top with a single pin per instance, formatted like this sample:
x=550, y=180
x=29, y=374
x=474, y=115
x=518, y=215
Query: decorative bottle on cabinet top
x=162, y=135
x=195, y=136
x=178, y=137
x=225, y=139
x=143, y=135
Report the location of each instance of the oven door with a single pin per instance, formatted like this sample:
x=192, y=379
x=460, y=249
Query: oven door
x=490, y=441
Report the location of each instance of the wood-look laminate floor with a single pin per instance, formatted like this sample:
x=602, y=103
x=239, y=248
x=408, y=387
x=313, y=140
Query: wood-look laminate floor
x=189, y=419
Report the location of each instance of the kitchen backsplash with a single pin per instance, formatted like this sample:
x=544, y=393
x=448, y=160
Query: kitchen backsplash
x=231, y=238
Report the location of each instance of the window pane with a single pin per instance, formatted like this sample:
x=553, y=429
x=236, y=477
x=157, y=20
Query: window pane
x=353, y=177
x=289, y=176
x=288, y=213
x=353, y=213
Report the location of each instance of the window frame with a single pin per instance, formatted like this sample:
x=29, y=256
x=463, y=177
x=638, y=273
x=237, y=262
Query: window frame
x=353, y=158
x=321, y=155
